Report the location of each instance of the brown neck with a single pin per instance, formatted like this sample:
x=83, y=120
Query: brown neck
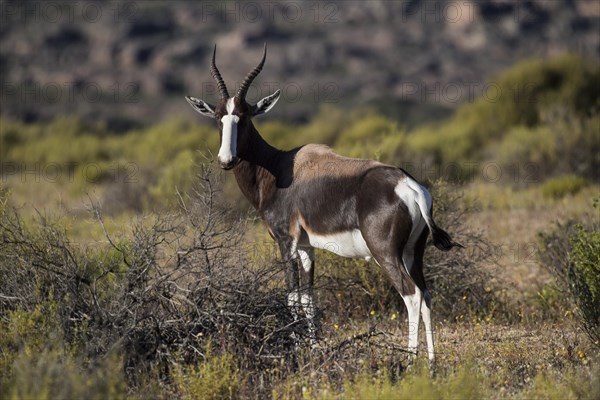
x=259, y=169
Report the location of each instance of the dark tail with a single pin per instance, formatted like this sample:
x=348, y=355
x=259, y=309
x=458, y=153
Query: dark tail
x=441, y=238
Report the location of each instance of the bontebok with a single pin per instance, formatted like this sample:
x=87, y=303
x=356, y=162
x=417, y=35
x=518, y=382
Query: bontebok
x=311, y=197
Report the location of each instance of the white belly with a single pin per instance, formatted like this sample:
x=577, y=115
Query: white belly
x=346, y=244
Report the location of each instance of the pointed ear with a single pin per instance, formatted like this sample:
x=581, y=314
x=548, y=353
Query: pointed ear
x=266, y=103
x=200, y=106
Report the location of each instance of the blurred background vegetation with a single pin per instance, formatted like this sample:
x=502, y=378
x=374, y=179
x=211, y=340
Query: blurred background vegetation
x=496, y=109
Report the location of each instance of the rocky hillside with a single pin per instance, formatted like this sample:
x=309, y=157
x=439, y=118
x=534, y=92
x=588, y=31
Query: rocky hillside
x=129, y=63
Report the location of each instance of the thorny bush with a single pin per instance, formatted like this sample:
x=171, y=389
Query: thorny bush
x=157, y=297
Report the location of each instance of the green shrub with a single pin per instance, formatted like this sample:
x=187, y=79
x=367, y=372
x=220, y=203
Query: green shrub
x=584, y=275
x=524, y=146
x=463, y=383
x=524, y=95
x=216, y=377
x=11, y=135
x=371, y=136
x=176, y=176
x=577, y=140
x=326, y=126
x=280, y=134
x=4, y=195
x=52, y=149
x=157, y=145
x=367, y=127
x=574, y=384
x=28, y=333
x=54, y=374
x=571, y=253
x=535, y=84
x=45, y=142
x=560, y=187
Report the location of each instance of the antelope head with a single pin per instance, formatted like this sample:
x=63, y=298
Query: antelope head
x=234, y=114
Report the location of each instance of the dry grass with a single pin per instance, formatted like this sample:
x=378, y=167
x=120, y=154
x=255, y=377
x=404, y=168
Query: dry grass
x=475, y=360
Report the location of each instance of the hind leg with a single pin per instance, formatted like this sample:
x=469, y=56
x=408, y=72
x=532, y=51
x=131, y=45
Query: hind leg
x=426, y=314
x=413, y=304
x=387, y=252
x=416, y=272
x=412, y=297
x=393, y=267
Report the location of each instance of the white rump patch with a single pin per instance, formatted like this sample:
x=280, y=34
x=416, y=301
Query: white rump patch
x=409, y=197
x=349, y=244
x=417, y=199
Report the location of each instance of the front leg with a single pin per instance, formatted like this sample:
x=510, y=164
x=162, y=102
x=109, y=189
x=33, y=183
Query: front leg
x=307, y=276
x=299, y=278
x=289, y=258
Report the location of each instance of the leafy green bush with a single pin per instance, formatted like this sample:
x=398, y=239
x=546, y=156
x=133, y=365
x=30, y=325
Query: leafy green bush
x=28, y=332
x=54, y=374
x=572, y=253
x=560, y=187
x=465, y=383
x=12, y=134
x=577, y=140
x=371, y=136
x=533, y=85
x=45, y=143
x=326, y=126
x=575, y=384
x=155, y=146
x=175, y=177
x=584, y=275
x=524, y=146
x=524, y=107
x=4, y=195
x=216, y=377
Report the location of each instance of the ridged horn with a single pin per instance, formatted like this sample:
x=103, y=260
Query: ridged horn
x=241, y=94
x=214, y=71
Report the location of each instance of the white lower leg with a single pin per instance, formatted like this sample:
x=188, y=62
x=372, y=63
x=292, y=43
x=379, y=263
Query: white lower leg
x=307, y=257
x=294, y=306
x=413, y=304
x=309, y=310
x=294, y=303
x=426, y=314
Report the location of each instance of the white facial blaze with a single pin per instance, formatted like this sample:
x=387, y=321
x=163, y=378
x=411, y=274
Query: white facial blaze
x=228, y=149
